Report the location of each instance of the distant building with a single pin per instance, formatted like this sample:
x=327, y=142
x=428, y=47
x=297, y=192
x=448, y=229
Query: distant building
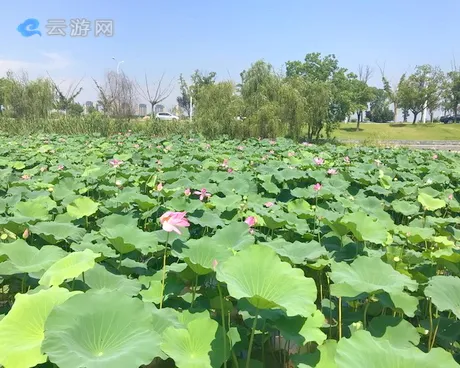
x=159, y=108
x=142, y=110
x=88, y=107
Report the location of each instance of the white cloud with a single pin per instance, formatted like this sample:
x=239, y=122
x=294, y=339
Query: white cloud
x=49, y=61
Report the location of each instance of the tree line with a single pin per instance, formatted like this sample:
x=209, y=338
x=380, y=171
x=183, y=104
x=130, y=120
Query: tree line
x=305, y=99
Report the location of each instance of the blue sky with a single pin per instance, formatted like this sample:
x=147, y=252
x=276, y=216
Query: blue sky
x=180, y=36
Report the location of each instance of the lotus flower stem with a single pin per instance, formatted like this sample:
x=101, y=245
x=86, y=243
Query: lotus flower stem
x=340, y=317
x=224, y=330
x=263, y=344
x=320, y=276
x=164, y=271
x=251, y=339
x=366, y=307
x=194, y=290
x=434, y=335
x=430, y=336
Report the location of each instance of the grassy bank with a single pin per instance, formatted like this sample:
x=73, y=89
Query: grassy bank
x=374, y=131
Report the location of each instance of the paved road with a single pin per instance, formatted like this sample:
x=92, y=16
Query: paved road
x=453, y=146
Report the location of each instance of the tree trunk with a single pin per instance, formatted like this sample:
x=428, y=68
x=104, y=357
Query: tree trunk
x=360, y=116
x=415, y=117
x=152, y=105
x=395, y=109
x=431, y=116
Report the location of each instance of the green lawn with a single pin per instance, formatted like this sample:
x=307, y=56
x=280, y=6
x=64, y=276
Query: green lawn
x=374, y=131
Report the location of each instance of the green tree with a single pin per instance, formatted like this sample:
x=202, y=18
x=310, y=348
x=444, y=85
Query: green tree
x=217, y=107
x=260, y=89
x=420, y=89
x=326, y=72
x=451, y=92
x=362, y=96
x=379, y=112
x=363, y=92
x=75, y=109
x=393, y=94
x=27, y=99
x=305, y=107
x=184, y=99
x=64, y=100
x=412, y=96
x=434, y=89
x=200, y=80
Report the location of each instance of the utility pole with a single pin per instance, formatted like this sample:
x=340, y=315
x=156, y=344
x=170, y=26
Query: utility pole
x=118, y=64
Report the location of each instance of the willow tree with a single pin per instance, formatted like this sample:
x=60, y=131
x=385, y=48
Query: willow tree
x=260, y=89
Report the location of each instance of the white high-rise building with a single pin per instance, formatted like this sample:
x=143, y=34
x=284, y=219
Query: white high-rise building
x=142, y=111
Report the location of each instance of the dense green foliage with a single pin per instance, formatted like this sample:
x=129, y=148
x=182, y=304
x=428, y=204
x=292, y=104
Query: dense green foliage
x=303, y=101
x=296, y=255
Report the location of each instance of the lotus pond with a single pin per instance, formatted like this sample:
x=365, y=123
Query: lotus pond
x=135, y=251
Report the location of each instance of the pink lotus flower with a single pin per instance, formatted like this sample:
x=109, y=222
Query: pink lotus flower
x=25, y=177
x=272, y=142
x=171, y=221
x=272, y=152
x=346, y=159
x=120, y=143
x=251, y=221
x=317, y=187
x=269, y=204
x=158, y=162
x=230, y=170
x=202, y=193
x=60, y=167
x=225, y=163
x=240, y=148
x=435, y=157
x=43, y=169
x=187, y=192
x=290, y=154
x=208, y=146
x=450, y=197
x=332, y=171
x=25, y=234
x=160, y=187
x=214, y=264
x=115, y=163
x=318, y=161
x=136, y=146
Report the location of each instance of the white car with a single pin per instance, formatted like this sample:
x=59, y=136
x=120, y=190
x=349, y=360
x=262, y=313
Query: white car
x=166, y=116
